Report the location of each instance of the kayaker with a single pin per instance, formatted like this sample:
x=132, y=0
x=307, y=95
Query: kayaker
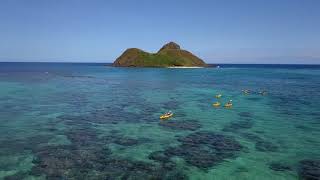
x=168, y=113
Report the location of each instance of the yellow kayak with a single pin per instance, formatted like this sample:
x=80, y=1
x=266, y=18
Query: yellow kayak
x=218, y=95
x=228, y=105
x=166, y=116
x=216, y=104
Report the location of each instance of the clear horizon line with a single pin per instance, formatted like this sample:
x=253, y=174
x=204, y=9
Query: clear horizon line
x=112, y=62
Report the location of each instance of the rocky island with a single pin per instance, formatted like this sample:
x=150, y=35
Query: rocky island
x=170, y=55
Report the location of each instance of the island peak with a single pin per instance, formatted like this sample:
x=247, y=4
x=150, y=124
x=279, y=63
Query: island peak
x=170, y=46
x=170, y=55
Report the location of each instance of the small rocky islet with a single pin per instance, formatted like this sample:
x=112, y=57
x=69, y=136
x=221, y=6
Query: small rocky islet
x=170, y=55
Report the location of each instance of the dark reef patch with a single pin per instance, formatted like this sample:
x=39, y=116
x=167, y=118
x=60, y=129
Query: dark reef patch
x=259, y=131
x=238, y=125
x=304, y=128
x=159, y=156
x=115, y=113
x=279, y=167
x=88, y=157
x=296, y=103
x=245, y=122
x=205, y=149
x=82, y=137
x=254, y=98
x=261, y=144
x=245, y=114
x=199, y=156
x=70, y=162
x=163, y=159
x=125, y=141
x=19, y=145
x=95, y=163
x=65, y=161
x=190, y=125
x=309, y=169
x=119, y=139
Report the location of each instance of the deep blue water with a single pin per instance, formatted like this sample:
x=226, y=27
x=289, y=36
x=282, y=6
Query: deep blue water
x=277, y=66
x=92, y=121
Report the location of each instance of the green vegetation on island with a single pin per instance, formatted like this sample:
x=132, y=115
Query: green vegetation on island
x=170, y=55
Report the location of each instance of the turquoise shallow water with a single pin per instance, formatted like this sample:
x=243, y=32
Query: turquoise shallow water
x=89, y=121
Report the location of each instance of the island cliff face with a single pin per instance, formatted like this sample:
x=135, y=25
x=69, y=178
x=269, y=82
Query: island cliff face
x=170, y=55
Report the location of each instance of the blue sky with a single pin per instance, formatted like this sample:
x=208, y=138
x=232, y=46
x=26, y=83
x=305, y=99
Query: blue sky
x=219, y=31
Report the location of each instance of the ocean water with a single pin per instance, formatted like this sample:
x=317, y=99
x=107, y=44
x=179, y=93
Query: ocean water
x=90, y=121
